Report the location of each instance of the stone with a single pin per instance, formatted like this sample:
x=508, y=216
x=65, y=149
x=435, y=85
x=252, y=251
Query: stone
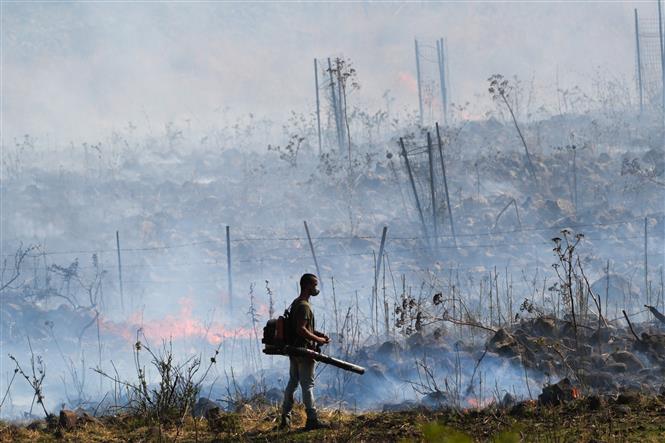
x=37, y=425
x=617, y=368
x=435, y=400
x=202, y=406
x=622, y=409
x=593, y=402
x=557, y=394
x=68, y=419
x=544, y=327
x=629, y=359
x=215, y=419
x=86, y=418
x=508, y=400
x=628, y=398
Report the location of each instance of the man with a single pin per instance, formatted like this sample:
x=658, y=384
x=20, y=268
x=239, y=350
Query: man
x=302, y=368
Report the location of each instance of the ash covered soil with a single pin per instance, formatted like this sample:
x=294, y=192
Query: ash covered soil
x=593, y=419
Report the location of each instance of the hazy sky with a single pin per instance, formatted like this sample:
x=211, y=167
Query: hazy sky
x=78, y=70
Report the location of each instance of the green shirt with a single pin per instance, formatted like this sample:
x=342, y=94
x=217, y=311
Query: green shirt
x=301, y=310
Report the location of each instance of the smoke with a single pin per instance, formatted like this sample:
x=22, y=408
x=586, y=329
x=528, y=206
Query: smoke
x=76, y=71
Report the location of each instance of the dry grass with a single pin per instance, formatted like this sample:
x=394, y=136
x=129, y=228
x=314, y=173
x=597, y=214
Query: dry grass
x=641, y=421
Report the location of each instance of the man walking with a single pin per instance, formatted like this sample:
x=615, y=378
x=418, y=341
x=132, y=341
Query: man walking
x=301, y=369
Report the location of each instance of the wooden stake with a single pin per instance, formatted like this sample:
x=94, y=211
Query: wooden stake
x=228, y=265
x=639, y=63
x=379, y=259
x=335, y=107
x=413, y=186
x=445, y=185
x=311, y=247
x=431, y=187
x=318, y=108
x=420, y=93
x=662, y=55
x=122, y=294
x=442, y=80
x=646, y=264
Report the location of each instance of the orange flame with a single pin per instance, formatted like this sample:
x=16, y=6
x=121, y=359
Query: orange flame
x=408, y=81
x=183, y=325
x=477, y=404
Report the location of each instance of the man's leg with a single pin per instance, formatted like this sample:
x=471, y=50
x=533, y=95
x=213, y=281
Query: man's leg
x=291, y=387
x=306, y=372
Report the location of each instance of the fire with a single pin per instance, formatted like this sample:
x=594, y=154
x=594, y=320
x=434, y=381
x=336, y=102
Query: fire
x=408, y=81
x=474, y=403
x=182, y=325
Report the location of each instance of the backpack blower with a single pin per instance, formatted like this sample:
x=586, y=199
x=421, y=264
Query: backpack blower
x=277, y=336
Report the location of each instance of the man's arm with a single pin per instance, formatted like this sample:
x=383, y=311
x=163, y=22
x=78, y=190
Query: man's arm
x=306, y=333
x=321, y=334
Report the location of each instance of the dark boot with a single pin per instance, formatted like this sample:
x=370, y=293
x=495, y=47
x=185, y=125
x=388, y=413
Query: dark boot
x=313, y=421
x=285, y=423
x=316, y=424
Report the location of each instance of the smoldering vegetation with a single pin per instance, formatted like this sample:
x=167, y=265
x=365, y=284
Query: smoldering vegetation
x=516, y=251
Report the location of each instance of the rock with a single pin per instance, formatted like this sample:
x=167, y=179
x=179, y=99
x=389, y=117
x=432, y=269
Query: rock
x=504, y=344
x=215, y=419
x=435, y=400
x=618, y=368
x=622, y=409
x=389, y=349
x=86, y=418
x=632, y=363
x=628, y=398
x=67, y=419
x=601, y=380
x=557, y=394
x=519, y=410
x=415, y=343
x=37, y=425
x=202, y=406
x=585, y=350
x=507, y=401
x=593, y=402
x=544, y=327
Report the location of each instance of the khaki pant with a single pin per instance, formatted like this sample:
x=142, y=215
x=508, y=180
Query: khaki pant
x=301, y=371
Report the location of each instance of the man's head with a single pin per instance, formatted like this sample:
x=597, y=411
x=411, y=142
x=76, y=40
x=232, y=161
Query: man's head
x=308, y=285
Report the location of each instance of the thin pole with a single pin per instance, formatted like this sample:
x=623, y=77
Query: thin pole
x=311, y=247
x=431, y=187
x=445, y=186
x=228, y=265
x=639, y=62
x=646, y=263
x=318, y=106
x=379, y=259
x=420, y=93
x=334, y=100
x=442, y=80
x=607, y=286
x=662, y=53
x=340, y=106
x=413, y=186
x=122, y=294
x=575, y=178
